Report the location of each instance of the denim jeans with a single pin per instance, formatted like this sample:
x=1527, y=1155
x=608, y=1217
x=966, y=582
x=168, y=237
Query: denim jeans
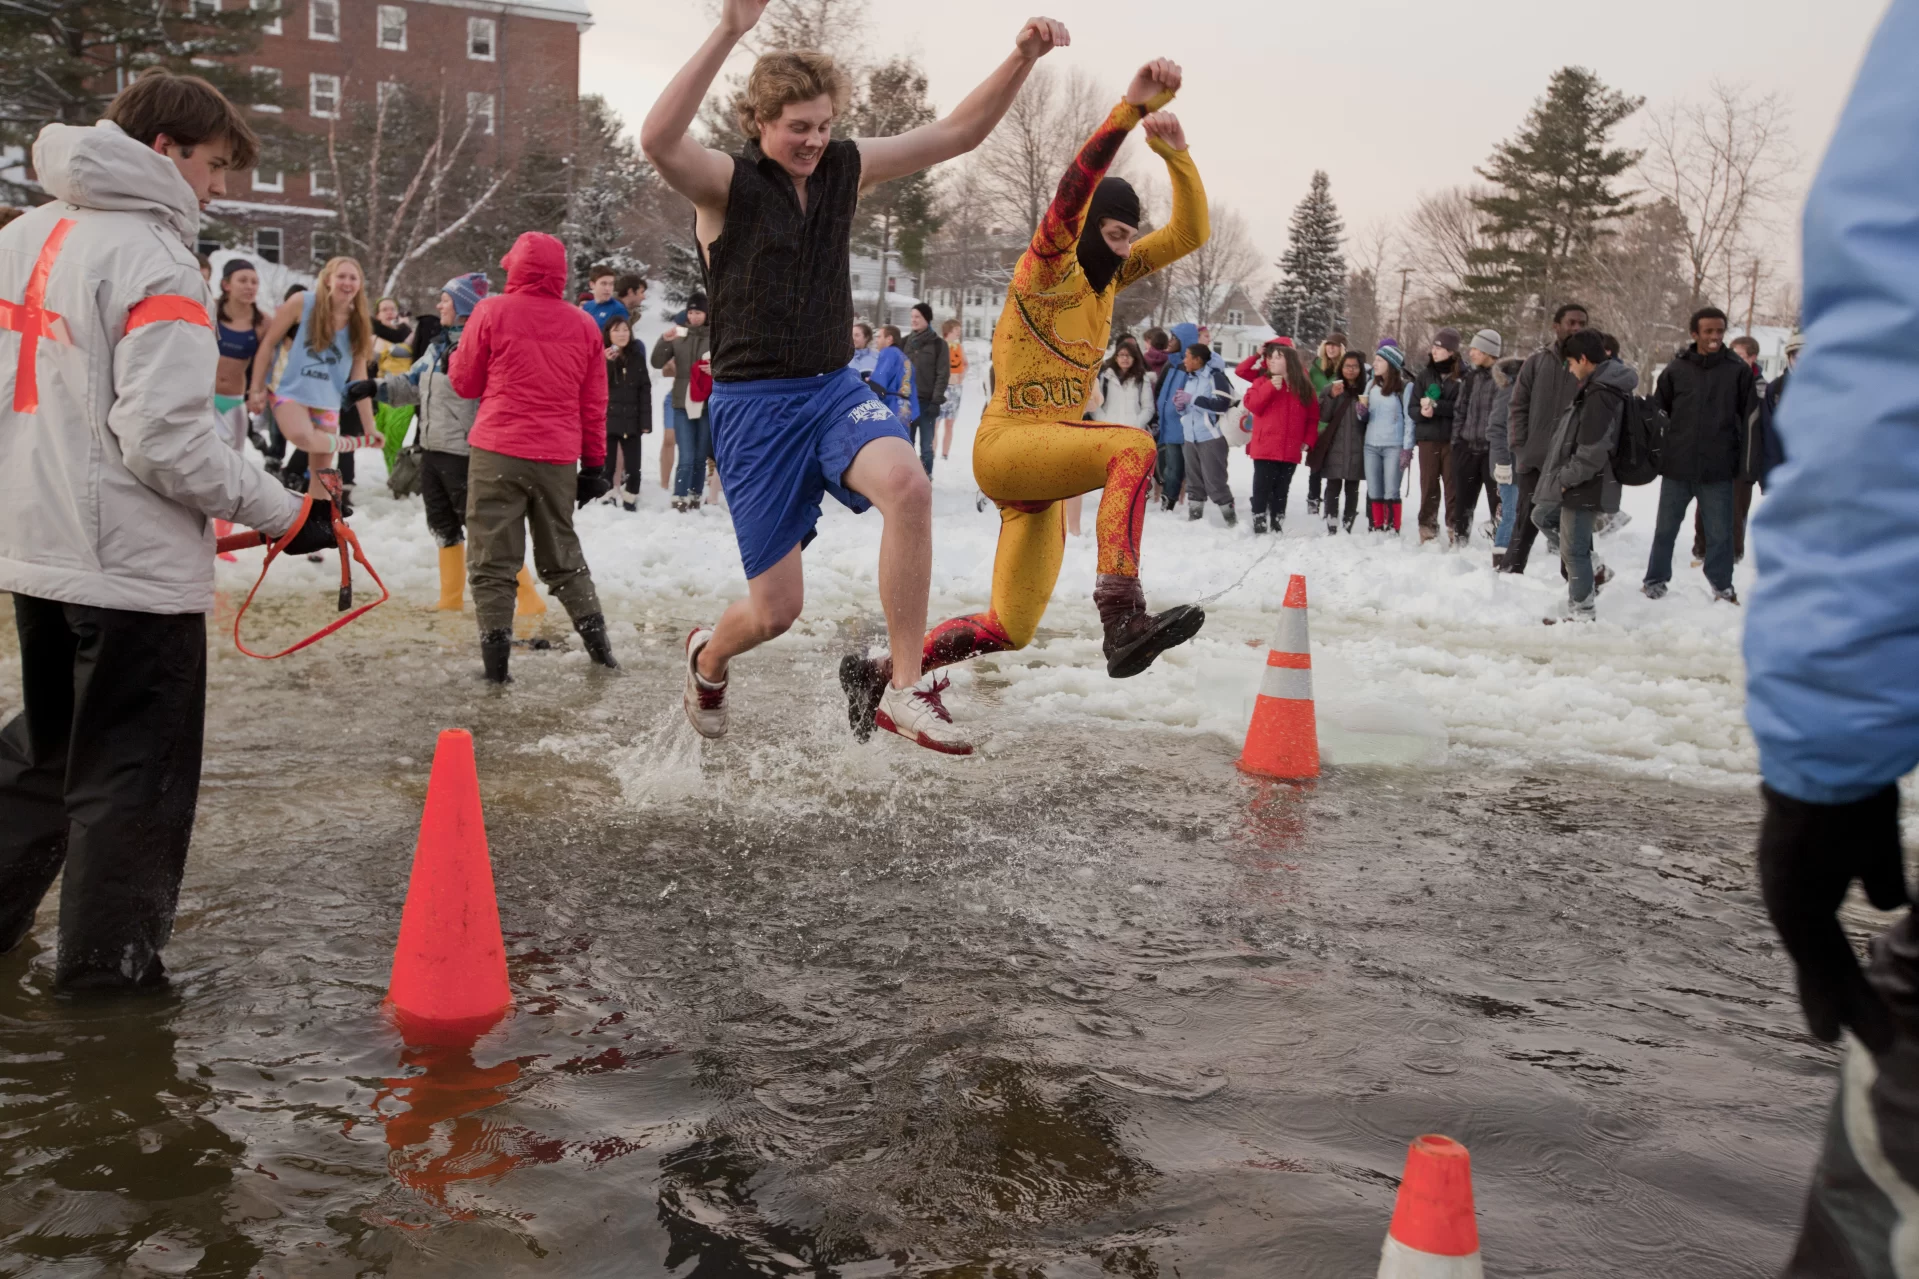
x=1172, y=473
x=1569, y=534
x=1508, y=510
x=1716, y=499
x=923, y=429
x=695, y=440
x=1382, y=472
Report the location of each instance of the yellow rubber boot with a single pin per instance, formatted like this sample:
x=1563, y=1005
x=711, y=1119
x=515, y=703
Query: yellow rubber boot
x=529, y=604
x=452, y=579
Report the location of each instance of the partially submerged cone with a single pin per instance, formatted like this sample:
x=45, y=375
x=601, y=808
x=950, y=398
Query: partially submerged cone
x=1434, y=1234
x=1283, y=739
x=449, y=969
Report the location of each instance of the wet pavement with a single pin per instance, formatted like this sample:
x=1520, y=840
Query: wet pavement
x=1090, y=1003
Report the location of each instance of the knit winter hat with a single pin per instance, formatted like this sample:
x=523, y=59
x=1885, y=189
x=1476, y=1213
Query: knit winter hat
x=466, y=292
x=1448, y=338
x=1486, y=340
x=1796, y=342
x=926, y=312
x=1390, y=352
x=697, y=302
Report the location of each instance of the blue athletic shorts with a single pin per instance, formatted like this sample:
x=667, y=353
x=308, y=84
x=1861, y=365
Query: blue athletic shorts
x=781, y=445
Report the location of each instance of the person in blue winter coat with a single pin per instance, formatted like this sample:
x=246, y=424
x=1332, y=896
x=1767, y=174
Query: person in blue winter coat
x=1172, y=439
x=1832, y=659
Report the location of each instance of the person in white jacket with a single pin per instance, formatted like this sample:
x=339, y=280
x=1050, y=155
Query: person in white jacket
x=110, y=469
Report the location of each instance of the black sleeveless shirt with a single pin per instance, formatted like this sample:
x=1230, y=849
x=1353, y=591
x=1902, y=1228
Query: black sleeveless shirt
x=779, y=284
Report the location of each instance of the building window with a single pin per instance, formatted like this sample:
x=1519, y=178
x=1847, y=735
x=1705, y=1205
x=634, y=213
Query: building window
x=323, y=19
x=1234, y=317
x=317, y=181
x=393, y=27
x=269, y=177
x=198, y=7
x=207, y=248
x=273, y=78
x=322, y=249
x=323, y=96
x=272, y=28
x=266, y=243
x=479, y=39
x=479, y=109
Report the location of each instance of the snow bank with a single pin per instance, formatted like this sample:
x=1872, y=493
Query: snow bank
x=1421, y=655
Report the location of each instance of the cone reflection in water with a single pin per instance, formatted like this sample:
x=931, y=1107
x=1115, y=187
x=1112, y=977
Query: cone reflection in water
x=1283, y=739
x=1434, y=1234
x=436, y=1133
x=449, y=969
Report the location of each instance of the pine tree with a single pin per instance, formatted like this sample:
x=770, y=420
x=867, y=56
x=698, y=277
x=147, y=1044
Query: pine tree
x=608, y=174
x=684, y=276
x=896, y=218
x=1553, y=203
x=1310, y=299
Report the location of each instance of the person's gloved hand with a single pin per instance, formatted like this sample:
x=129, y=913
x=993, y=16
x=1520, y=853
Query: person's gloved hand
x=590, y=486
x=364, y=389
x=1182, y=400
x=1503, y=474
x=1809, y=854
x=314, y=535
x=1405, y=458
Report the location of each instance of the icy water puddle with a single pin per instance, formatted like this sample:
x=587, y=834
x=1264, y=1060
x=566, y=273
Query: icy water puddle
x=1089, y=1004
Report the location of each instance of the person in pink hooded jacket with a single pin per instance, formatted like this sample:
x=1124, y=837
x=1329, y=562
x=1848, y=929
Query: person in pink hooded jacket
x=1285, y=416
x=534, y=362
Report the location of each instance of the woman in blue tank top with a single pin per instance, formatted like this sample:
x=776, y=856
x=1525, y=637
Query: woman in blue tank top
x=332, y=333
x=238, y=323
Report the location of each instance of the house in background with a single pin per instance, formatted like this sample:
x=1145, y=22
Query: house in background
x=513, y=68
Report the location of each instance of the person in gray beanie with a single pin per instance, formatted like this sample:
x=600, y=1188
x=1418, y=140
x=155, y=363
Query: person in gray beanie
x=1472, y=457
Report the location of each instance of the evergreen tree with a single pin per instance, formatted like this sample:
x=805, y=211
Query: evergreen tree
x=684, y=276
x=1554, y=200
x=63, y=60
x=896, y=218
x=608, y=175
x=1310, y=299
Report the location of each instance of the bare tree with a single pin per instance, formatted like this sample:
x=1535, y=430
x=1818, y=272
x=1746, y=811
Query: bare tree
x=1636, y=283
x=396, y=199
x=1723, y=163
x=1021, y=163
x=1204, y=278
x=1441, y=233
x=837, y=27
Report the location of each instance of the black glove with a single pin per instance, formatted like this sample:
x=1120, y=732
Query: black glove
x=314, y=535
x=364, y=389
x=591, y=485
x=1809, y=854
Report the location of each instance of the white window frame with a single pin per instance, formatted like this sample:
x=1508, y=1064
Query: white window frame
x=317, y=182
x=210, y=6
x=278, y=253
x=381, y=16
x=314, y=9
x=314, y=82
x=491, y=28
x=279, y=84
x=314, y=249
x=481, y=104
x=279, y=184
x=274, y=27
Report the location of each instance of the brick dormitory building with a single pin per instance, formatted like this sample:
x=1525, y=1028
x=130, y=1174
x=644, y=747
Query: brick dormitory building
x=515, y=67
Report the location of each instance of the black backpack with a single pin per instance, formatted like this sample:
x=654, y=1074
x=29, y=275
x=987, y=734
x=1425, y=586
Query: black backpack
x=1642, y=441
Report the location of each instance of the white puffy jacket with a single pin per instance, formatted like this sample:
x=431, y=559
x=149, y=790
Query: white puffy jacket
x=109, y=464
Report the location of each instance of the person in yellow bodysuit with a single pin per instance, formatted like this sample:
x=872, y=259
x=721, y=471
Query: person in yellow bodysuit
x=1033, y=450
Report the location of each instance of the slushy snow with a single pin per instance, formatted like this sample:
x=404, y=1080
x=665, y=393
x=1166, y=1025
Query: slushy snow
x=1421, y=655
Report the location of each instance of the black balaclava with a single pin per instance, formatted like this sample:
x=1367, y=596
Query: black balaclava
x=1114, y=198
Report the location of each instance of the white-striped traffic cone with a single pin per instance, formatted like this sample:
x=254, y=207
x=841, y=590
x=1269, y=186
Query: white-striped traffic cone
x=1283, y=739
x=1434, y=1234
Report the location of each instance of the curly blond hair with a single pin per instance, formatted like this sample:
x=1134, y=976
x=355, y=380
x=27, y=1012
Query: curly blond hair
x=780, y=79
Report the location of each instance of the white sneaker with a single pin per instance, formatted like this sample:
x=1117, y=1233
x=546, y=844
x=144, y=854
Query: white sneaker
x=918, y=715
x=705, y=703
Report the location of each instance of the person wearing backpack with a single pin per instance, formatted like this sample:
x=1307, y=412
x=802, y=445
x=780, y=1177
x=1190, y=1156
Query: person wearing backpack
x=1576, y=478
x=1499, y=451
x=1541, y=392
x=1707, y=395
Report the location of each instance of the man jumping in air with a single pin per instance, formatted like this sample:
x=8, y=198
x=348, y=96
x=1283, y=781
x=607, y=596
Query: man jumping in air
x=1033, y=450
x=790, y=421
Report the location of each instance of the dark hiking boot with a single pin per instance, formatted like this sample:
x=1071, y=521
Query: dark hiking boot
x=1312, y=506
x=1230, y=515
x=1196, y=512
x=496, y=647
x=1727, y=596
x=1259, y=525
x=1134, y=637
x=1653, y=590
x=592, y=629
x=864, y=680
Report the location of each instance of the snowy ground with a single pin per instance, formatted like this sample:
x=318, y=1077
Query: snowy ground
x=1421, y=655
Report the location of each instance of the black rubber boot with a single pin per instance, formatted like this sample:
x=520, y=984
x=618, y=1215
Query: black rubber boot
x=1135, y=637
x=1259, y=524
x=592, y=629
x=1230, y=515
x=496, y=648
x=864, y=680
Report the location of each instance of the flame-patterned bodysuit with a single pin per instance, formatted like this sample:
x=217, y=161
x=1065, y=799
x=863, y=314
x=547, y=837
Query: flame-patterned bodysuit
x=1032, y=450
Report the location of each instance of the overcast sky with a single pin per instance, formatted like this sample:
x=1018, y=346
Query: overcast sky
x=1390, y=99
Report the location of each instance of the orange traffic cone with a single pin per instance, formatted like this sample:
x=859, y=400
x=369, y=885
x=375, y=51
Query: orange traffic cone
x=1434, y=1234
x=1283, y=739
x=449, y=969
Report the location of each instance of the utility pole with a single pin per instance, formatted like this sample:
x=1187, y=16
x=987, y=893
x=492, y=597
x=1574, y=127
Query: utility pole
x=1399, y=323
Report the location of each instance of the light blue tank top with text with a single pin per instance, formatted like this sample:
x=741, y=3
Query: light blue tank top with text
x=319, y=380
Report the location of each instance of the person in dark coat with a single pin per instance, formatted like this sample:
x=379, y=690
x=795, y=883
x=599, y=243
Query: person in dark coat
x=1541, y=393
x=1339, y=455
x=1576, y=473
x=1708, y=395
x=1438, y=399
x=1472, y=456
x=629, y=406
x=1771, y=449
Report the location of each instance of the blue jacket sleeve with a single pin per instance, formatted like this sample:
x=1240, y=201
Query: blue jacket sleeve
x=1832, y=632
x=1221, y=399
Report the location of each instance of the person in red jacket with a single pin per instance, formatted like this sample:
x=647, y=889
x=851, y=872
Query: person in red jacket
x=1285, y=415
x=534, y=362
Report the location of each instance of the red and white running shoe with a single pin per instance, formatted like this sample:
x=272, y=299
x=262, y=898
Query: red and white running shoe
x=705, y=703
x=918, y=715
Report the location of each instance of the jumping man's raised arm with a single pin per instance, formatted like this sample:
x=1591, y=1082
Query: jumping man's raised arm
x=883, y=159
x=699, y=173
